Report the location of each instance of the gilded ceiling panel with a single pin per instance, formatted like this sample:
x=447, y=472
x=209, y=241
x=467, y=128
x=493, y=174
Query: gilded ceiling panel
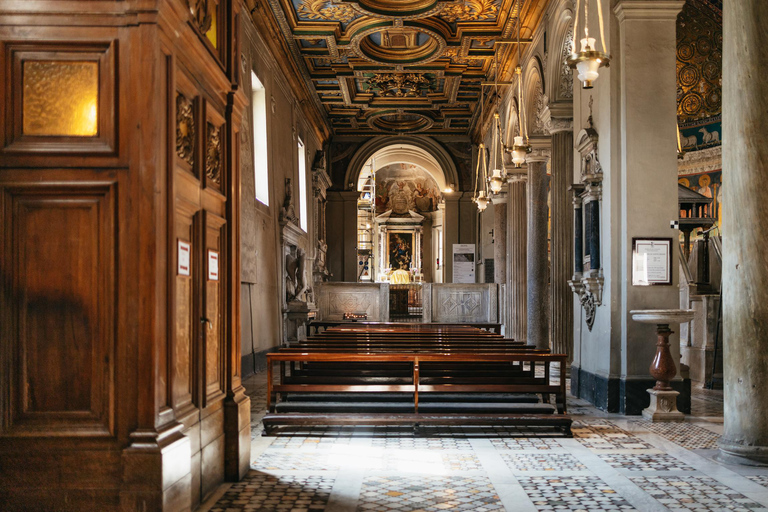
x=397, y=66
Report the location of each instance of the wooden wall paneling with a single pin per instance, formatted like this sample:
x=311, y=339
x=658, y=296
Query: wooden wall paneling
x=59, y=269
x=237, y=404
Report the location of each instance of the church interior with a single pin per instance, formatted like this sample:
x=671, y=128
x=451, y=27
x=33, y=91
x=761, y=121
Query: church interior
x=383, y=255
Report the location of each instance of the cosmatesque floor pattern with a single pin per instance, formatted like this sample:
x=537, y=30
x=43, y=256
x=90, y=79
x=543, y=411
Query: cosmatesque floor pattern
x=612, y=462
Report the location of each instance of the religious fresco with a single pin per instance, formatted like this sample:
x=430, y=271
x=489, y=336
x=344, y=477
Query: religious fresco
x=708, y=184
x=405, y=187
x=400, y=250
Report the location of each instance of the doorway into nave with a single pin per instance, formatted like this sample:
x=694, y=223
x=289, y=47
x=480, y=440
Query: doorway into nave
x=400, y=216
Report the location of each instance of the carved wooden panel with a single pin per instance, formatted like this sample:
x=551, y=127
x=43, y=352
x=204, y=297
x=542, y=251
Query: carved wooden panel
x=58, y=258
x=214, y=307
x=59, y=99
x=213, y=147
x=186, y=142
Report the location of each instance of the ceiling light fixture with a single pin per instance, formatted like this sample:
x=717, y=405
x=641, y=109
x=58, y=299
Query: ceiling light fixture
x=520, y=147
x=588, y=60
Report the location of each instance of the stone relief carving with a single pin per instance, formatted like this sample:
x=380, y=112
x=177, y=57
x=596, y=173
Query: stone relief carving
x=540, y=103
x=213, y=154
x=340, y=303
x=461, y=304
x=185, y=129
x=288, y=210
x=566, y=73
x=297, y=285
x=590, y=308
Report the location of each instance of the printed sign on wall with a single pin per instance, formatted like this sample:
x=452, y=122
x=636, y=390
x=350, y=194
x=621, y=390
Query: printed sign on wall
x=184, y=258
x=463, y=263
x=213, y=266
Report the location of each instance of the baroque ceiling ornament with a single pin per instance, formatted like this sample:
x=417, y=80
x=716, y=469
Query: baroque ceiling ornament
x=398, y=85
x=470, y=10
x=334, y=42
x=326, y=10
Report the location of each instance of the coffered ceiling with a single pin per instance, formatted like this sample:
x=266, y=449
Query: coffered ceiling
x=400, y=66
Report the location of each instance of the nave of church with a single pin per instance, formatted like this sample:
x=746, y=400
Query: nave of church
x=383, y=255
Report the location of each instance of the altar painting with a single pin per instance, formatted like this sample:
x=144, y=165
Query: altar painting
x=400, y=250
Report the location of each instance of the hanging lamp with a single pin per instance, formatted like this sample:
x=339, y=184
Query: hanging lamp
x=498, y=177
x=589, y=60
x=481, y=197
x=520, y=146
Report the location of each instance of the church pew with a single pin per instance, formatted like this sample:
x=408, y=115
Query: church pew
x=412, y=376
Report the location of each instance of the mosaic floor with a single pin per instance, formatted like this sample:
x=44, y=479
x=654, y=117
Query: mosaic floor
x=613, y=462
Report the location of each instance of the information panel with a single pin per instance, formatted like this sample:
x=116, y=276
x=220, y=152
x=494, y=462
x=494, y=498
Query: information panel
x=463, y=263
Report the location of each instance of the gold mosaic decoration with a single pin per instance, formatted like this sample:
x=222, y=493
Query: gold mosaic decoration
x=470, y=10
x=325, y=10
x=699, y=61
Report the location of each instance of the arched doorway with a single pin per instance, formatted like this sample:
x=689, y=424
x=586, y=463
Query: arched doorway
x=400, y=228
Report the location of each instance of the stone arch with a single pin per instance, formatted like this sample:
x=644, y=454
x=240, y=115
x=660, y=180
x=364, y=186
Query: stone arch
x=559, y=75
x=421, y=150
x=534, y=87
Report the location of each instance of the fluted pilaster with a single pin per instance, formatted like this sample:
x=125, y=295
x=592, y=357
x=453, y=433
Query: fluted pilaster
x=517, y=258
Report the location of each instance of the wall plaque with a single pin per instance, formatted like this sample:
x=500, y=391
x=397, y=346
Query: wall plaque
x=651, y=261
x=184, y=258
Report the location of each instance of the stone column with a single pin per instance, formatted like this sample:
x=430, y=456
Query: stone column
x=450, y=232
x=538, y=271
x=500, y=238
x=745, y=295
x=562, y=237
x=517, y=260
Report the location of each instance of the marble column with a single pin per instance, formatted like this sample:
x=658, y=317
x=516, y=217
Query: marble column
x=517, y=257
x=500, y=238
x=745, y=294
x=538, y=261
x=562, y=237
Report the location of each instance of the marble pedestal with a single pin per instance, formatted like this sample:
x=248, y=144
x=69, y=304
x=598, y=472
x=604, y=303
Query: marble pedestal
x=663, y=406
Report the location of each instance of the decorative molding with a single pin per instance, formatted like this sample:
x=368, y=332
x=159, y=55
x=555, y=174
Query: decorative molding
x=471, y=10
x=697, y=162
x=648, y=10
x=566, y=73
x=213, y=152
x=399, y=85
x=185, y=129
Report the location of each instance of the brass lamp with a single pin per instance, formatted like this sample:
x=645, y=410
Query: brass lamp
x=589, y=60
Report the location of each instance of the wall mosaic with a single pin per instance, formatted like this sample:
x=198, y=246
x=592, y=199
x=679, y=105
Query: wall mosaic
x=699, y=68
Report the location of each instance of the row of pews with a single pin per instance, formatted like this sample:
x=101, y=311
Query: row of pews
x=415, y=374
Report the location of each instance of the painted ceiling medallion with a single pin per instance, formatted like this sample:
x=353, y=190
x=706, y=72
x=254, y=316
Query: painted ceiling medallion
x=399, y=85
x=399, y=122
x=398, y=45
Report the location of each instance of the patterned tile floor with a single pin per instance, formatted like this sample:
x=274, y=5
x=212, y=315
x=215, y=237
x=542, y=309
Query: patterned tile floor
x=613, y=462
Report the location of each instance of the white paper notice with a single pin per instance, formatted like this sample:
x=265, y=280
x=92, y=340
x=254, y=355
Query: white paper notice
x=213, y=266
x=463, y=263
x=184, y=252
x=651, y=262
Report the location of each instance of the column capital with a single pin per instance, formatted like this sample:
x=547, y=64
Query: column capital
x=538, y=155
x=517, y=177
x=499, y=198
x=648, y=10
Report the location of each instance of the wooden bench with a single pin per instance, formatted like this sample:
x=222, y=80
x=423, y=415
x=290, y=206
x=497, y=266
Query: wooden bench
x=499, y=380
x=315, y=327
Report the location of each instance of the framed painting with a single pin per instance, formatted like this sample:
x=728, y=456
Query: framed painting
x=400, y=250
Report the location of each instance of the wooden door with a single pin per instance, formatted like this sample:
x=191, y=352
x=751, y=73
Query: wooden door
x=197, y=304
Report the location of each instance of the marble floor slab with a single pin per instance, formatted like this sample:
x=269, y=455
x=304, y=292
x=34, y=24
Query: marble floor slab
x=613, y=462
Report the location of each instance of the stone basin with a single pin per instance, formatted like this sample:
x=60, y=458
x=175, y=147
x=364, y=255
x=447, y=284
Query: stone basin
x=662, y=316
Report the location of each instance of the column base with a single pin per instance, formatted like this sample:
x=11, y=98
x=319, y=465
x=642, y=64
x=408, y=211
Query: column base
x=736, y=453
x=663, y=407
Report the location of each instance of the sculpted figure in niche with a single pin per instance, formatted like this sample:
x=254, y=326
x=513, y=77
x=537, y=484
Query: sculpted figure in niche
x=296, y=282
x=288, y=211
